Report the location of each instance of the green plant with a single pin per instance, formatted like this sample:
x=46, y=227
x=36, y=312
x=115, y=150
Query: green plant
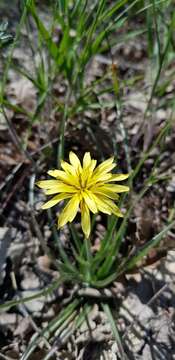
x=84, y=30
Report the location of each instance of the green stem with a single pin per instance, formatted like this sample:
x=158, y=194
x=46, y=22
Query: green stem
x=88, y=257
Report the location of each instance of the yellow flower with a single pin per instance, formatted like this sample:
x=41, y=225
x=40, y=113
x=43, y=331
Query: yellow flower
x=88, y=188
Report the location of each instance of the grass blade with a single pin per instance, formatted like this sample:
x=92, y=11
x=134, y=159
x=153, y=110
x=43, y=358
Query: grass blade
x=8, y=304
x=51, y=328
x=146, y=248
x=114, y=329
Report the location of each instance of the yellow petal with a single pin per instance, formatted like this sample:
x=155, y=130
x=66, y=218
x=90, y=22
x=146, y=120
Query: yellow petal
x=66, y=177
x=47, y=184
x=98, y=179
x=86, y=160
x=55, y=186
x=119, y=177
x=102, y=191
x=106, y=163
x=93, y=164
x=85, y=219
x=69, y=212
x=87, y=172
x=54, y=173
x=116, y=188
x=74, y=160
x=84, y=176
x=105, y=166
x=101, y=173
x=89, y=200
x=69, y=169
x=61, y=188
x=59, y=174
x=55, y=200
x=91, y=167
x=101, y=205
x=114, y=208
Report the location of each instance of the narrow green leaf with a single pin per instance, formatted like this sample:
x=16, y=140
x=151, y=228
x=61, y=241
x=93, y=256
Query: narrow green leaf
x=44, y=292
x=108, y=280
x=114, y=329
x=76, y=237
x=52, y=327
x=111, y=11
x=147, y=247
x=52, y=47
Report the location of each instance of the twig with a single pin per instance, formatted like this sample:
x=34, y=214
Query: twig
x=159, y=292
x=11, y=175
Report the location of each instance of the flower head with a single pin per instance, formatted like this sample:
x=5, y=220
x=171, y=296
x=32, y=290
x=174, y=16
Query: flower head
x=87, y=187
